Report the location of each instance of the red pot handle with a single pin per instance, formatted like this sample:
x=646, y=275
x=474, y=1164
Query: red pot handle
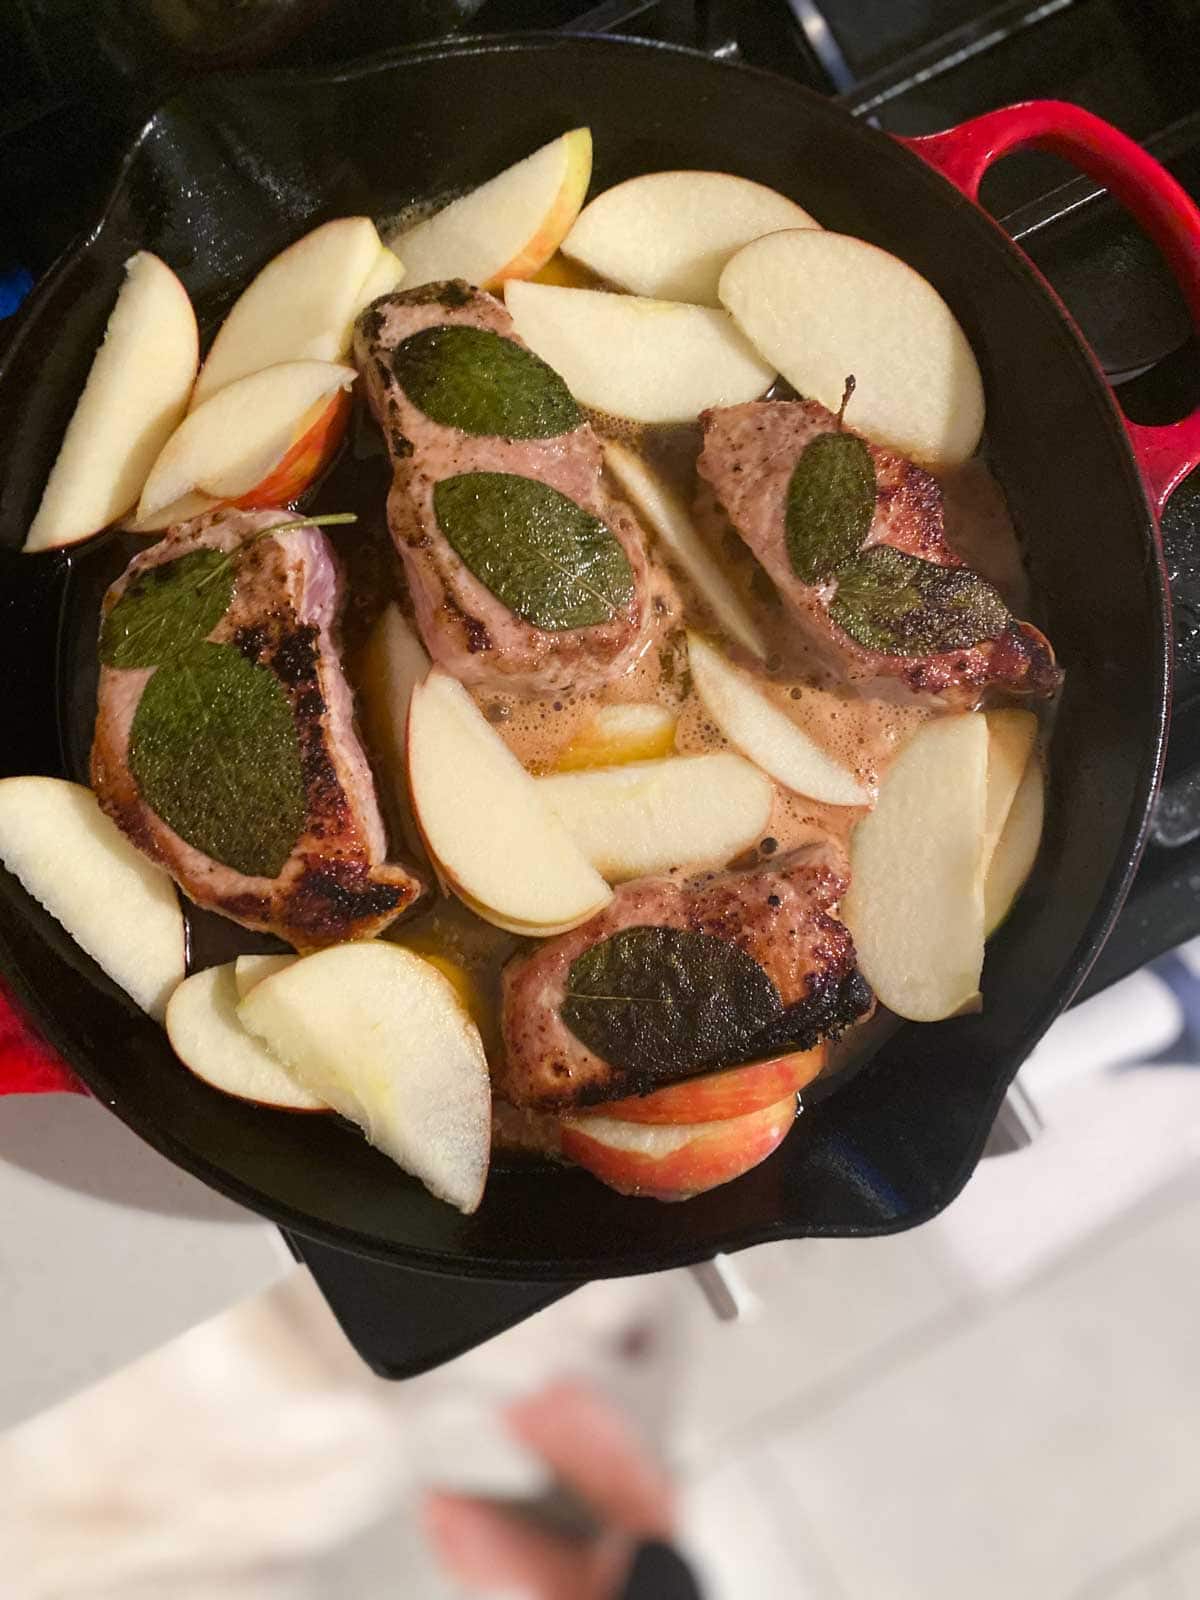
x=1147, y=190
x=28, y=1065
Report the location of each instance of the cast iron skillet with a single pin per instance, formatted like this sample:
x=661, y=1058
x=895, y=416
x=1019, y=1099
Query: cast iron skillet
x=232, y=171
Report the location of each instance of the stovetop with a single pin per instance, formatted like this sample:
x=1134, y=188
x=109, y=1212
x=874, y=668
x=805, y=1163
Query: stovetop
x=79, y=77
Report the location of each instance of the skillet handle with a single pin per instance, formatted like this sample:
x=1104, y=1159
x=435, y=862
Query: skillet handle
x=1145, y=188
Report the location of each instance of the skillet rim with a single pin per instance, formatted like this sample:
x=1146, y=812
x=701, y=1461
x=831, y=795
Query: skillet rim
x=1110, y=897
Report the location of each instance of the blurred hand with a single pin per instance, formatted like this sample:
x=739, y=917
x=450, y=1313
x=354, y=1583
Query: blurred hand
x=591, y=1448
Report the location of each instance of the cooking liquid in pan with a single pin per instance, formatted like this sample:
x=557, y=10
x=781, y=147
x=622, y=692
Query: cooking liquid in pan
x=863, y=733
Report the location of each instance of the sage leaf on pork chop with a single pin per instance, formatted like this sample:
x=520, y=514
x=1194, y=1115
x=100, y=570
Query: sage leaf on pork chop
x=215, y=753
x=830, y=504
x=479, y=382
x=166, y=609
x=659, y=1002
x=890, y=601
x=544, y=557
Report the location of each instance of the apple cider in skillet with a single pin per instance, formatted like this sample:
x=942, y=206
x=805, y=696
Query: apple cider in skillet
x=659, y=725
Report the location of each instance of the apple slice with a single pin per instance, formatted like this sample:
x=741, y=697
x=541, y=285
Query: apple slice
x=184, y=509
x=300, y=307
x=669, y=234
x=484, y=821
x=669, y=519
x=765, y=734
x=387, y=274
x=508, y=227
x=1016, y=849
x=644, y=360
x=249, y=970
x=655, y=815
x=117, y=906
x=381, y=1036
x=203, y=1027
x=393, y=663
x=134, y=397
x=231, y=444
x=619, y=734
x=1011, y=737
x=915, y=902
x=674, y=1163
x=718, y=1096
x=822, y=306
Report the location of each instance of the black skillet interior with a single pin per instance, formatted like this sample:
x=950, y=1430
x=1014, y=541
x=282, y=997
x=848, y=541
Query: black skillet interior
x=231, y=172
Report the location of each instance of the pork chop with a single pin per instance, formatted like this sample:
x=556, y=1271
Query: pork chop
x=466, y=626
x=749, y=456
x=780, y=915
x=335, y=882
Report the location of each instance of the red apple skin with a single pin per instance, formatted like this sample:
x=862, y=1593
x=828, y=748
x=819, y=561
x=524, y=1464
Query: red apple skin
x=306, y=459
x=719, y=1152
x=717, y=1096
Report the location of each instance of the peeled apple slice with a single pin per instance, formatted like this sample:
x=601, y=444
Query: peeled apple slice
x=1016, y=849
x=650, y=816
x=135, y=395
x=646, y=360
x=765, y=734
x=381, y=1036
x=669, y=519
x=249, y=970
x=392, y=665
x=486, y=827
x=669, y=234
x=203, y=1027
x=915, y=903
x=824, y=306
x=1011, y=738
x=618, y=734
x=117, y=906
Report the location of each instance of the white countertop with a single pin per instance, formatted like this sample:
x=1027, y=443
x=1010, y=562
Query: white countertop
x=106, y=1250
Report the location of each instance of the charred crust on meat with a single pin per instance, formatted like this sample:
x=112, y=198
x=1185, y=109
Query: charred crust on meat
x=252, y=640
x=401, y=447
x=371, y=322
x=835, y=1001
x=327, y=902
x=295, y=657
x=247, y=907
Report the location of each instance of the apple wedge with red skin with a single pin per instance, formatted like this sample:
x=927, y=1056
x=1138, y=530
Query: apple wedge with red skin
x=323, y=431
x=678, y=1161
x=719, y=1096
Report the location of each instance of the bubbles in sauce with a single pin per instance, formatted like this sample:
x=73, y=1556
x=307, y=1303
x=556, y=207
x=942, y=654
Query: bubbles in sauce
x=863, y=733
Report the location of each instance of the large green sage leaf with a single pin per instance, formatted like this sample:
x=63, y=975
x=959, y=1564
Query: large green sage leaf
x=215, y=753
x=479, y=382
x=167, y=609
x=830, y=504
x=658, y=1002
x=543, y=556
x=900, y=605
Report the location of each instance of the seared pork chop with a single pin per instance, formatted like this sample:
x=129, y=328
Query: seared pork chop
x=750, y=454
x=466, y=626
x=780, y=915
x=335, y=882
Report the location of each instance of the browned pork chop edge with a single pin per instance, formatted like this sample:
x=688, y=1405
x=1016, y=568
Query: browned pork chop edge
x=747, y=460
x=781, y=915
x=337, y=884
x=465, y=627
